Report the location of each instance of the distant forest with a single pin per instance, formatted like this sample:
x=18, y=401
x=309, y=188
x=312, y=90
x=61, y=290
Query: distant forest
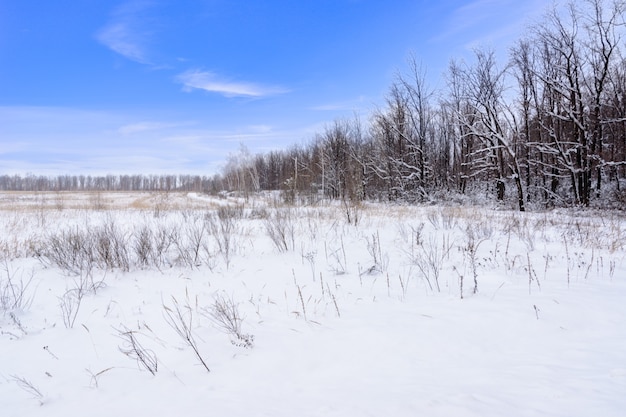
x=547, y=128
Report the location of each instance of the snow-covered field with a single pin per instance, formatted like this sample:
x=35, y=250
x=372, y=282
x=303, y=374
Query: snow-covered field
x=166, y=305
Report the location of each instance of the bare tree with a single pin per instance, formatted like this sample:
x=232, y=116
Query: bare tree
x=489, y=119
x=400, y=132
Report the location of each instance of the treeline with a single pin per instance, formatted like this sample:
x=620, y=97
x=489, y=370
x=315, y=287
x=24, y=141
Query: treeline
x=189, y=183
x=548, y=127
x=545, y=128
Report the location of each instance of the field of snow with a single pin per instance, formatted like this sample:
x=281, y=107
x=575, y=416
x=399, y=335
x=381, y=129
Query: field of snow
x=182, y=304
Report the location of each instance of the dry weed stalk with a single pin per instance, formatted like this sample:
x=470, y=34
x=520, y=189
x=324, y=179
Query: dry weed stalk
x=132, y=348
x=475, y=236
x=97, y=375
x=429, y=259
x=29, y=387
x=180, y=319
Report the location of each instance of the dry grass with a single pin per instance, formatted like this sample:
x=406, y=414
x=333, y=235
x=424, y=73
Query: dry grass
x=110, y=200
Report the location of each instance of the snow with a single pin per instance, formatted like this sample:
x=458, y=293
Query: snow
x=341, y=326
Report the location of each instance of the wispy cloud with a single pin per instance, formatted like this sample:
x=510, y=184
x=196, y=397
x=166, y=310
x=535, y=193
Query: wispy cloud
x=489, y=21
x=465, y=17
x=139, y=127
x=204, y=80
x=56, y=140
x=124, y=33
x=13, y=147
x=261, y=128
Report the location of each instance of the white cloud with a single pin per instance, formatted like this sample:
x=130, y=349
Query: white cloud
x=261, y=128
x=489, y=21
x=119, y=38
x=123, y=33
x=13, y=147
x=207, y=81
x=139, y=127
x=56, y=140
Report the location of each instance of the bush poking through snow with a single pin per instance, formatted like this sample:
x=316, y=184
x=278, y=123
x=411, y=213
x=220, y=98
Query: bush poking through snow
x=281, y=230
x=224, y=313
x=189, y=248
x=14, y=293
x=223, y=227
x=77, y=251
x=70, y=250
x=143, y=246
x=429, y=259
x=111, y=245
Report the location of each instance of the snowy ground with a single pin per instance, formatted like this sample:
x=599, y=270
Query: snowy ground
x=336, y=318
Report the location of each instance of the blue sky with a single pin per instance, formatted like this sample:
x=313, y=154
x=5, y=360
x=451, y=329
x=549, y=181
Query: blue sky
x=175, y=86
